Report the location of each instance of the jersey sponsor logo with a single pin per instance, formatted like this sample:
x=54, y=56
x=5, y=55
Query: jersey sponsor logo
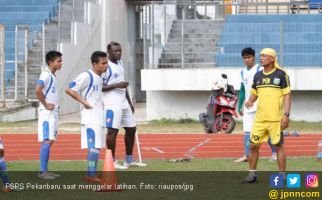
x=276, y=81
x=53, y=90
x=116, y=75
x=108, y=120
x=91, y=163
x=266, y=80
x=245, y=81
x=255, y=138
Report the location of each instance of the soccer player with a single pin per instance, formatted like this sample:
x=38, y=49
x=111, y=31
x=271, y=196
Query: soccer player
x=118, y=107
x=48, y=111
x=3, y=170
x=87, y=90
x=271, y=88
x=247, y=76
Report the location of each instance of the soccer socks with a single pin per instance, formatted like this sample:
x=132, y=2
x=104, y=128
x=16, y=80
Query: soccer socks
x=272, y=147
x=246, y=143
x=44, y=157
x=128, y=158
x=3, y=172
x=92, y=159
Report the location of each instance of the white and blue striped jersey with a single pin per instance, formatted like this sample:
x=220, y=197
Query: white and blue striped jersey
x=48, y=81
x=117, y=96
x=247, y=77
x=89, y=85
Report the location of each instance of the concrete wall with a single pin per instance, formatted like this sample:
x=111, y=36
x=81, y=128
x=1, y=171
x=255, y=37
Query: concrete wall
x=118, y=23
x=76, y=55
x=201, y=79
x=306, y=106
x=181, y=93
x=106, y=22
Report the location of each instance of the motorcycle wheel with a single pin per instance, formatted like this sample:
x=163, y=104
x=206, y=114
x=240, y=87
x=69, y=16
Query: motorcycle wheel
x=227, y=126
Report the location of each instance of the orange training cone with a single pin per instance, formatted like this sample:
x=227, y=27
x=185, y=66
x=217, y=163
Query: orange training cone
x=109, y=180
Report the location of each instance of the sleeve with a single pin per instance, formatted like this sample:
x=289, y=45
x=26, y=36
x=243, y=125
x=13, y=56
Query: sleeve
x=80, y=82
x=241, y=97
x=43, y=80
x=285, y=84
x=253, y=90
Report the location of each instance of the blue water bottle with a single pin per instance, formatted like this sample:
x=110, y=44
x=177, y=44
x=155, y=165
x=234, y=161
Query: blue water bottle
x=320, y=150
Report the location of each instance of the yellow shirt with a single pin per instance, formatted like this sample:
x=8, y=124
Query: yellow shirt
x=270, y=89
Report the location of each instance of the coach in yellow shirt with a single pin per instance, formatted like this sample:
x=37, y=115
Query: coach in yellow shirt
x=271, y=88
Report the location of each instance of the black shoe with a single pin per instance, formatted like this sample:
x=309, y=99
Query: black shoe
x=250, y=178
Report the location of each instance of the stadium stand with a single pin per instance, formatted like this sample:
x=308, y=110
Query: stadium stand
x=31, y=13
x=301, y=38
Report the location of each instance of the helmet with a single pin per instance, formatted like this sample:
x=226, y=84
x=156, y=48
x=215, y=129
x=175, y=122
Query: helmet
x=220, y=83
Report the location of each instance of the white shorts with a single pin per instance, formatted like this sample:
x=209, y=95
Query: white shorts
x=248, y=120
x=1, y=144
x=47, y=124
x=92, y=136
x=116, y=117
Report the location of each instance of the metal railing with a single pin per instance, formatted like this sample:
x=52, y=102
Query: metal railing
x=66, y=19
x=160, y=32
x=2, y=64
x=21, y=59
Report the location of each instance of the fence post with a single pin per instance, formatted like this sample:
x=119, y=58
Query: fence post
x=152, y=32
x=59, y=24
x=26, y=63
x=43, y=47
x=73, y=18
x=182, y=45
x=144, y=39
x=281, y=43
x=165, y=21
x=16, y=64
x=2, y=63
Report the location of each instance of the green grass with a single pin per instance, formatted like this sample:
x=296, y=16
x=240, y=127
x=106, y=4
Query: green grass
x=210, y=164
x=203, y=178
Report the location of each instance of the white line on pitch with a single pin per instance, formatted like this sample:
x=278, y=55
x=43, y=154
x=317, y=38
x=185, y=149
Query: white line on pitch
x=188, y=155
x=199, y=145
x=157, y=150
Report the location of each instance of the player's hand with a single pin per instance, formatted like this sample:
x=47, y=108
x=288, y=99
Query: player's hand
x=87, y=105
x=249, y=104
x=122, y=84
x=284, y=122
x=132, y=108
x=50, y=106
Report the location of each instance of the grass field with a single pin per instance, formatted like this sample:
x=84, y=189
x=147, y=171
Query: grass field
x=211, y=178
x=199, y=179
x=293, y=164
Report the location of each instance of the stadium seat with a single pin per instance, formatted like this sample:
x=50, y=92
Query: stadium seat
x=302, y=38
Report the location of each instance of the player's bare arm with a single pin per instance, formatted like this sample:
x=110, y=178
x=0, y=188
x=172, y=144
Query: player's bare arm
x=78, y=98
x=250, y=102
x=287, y=109
x=41, y=97
x=129, y=100
x=122, y=84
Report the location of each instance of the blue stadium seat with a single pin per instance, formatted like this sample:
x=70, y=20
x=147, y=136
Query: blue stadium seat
x=32, y=13
x=302, y=38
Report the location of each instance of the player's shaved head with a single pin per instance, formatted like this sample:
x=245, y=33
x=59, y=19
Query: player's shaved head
x=109, y=46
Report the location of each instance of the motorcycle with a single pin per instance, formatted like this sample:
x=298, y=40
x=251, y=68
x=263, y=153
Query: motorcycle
x=220, y=111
